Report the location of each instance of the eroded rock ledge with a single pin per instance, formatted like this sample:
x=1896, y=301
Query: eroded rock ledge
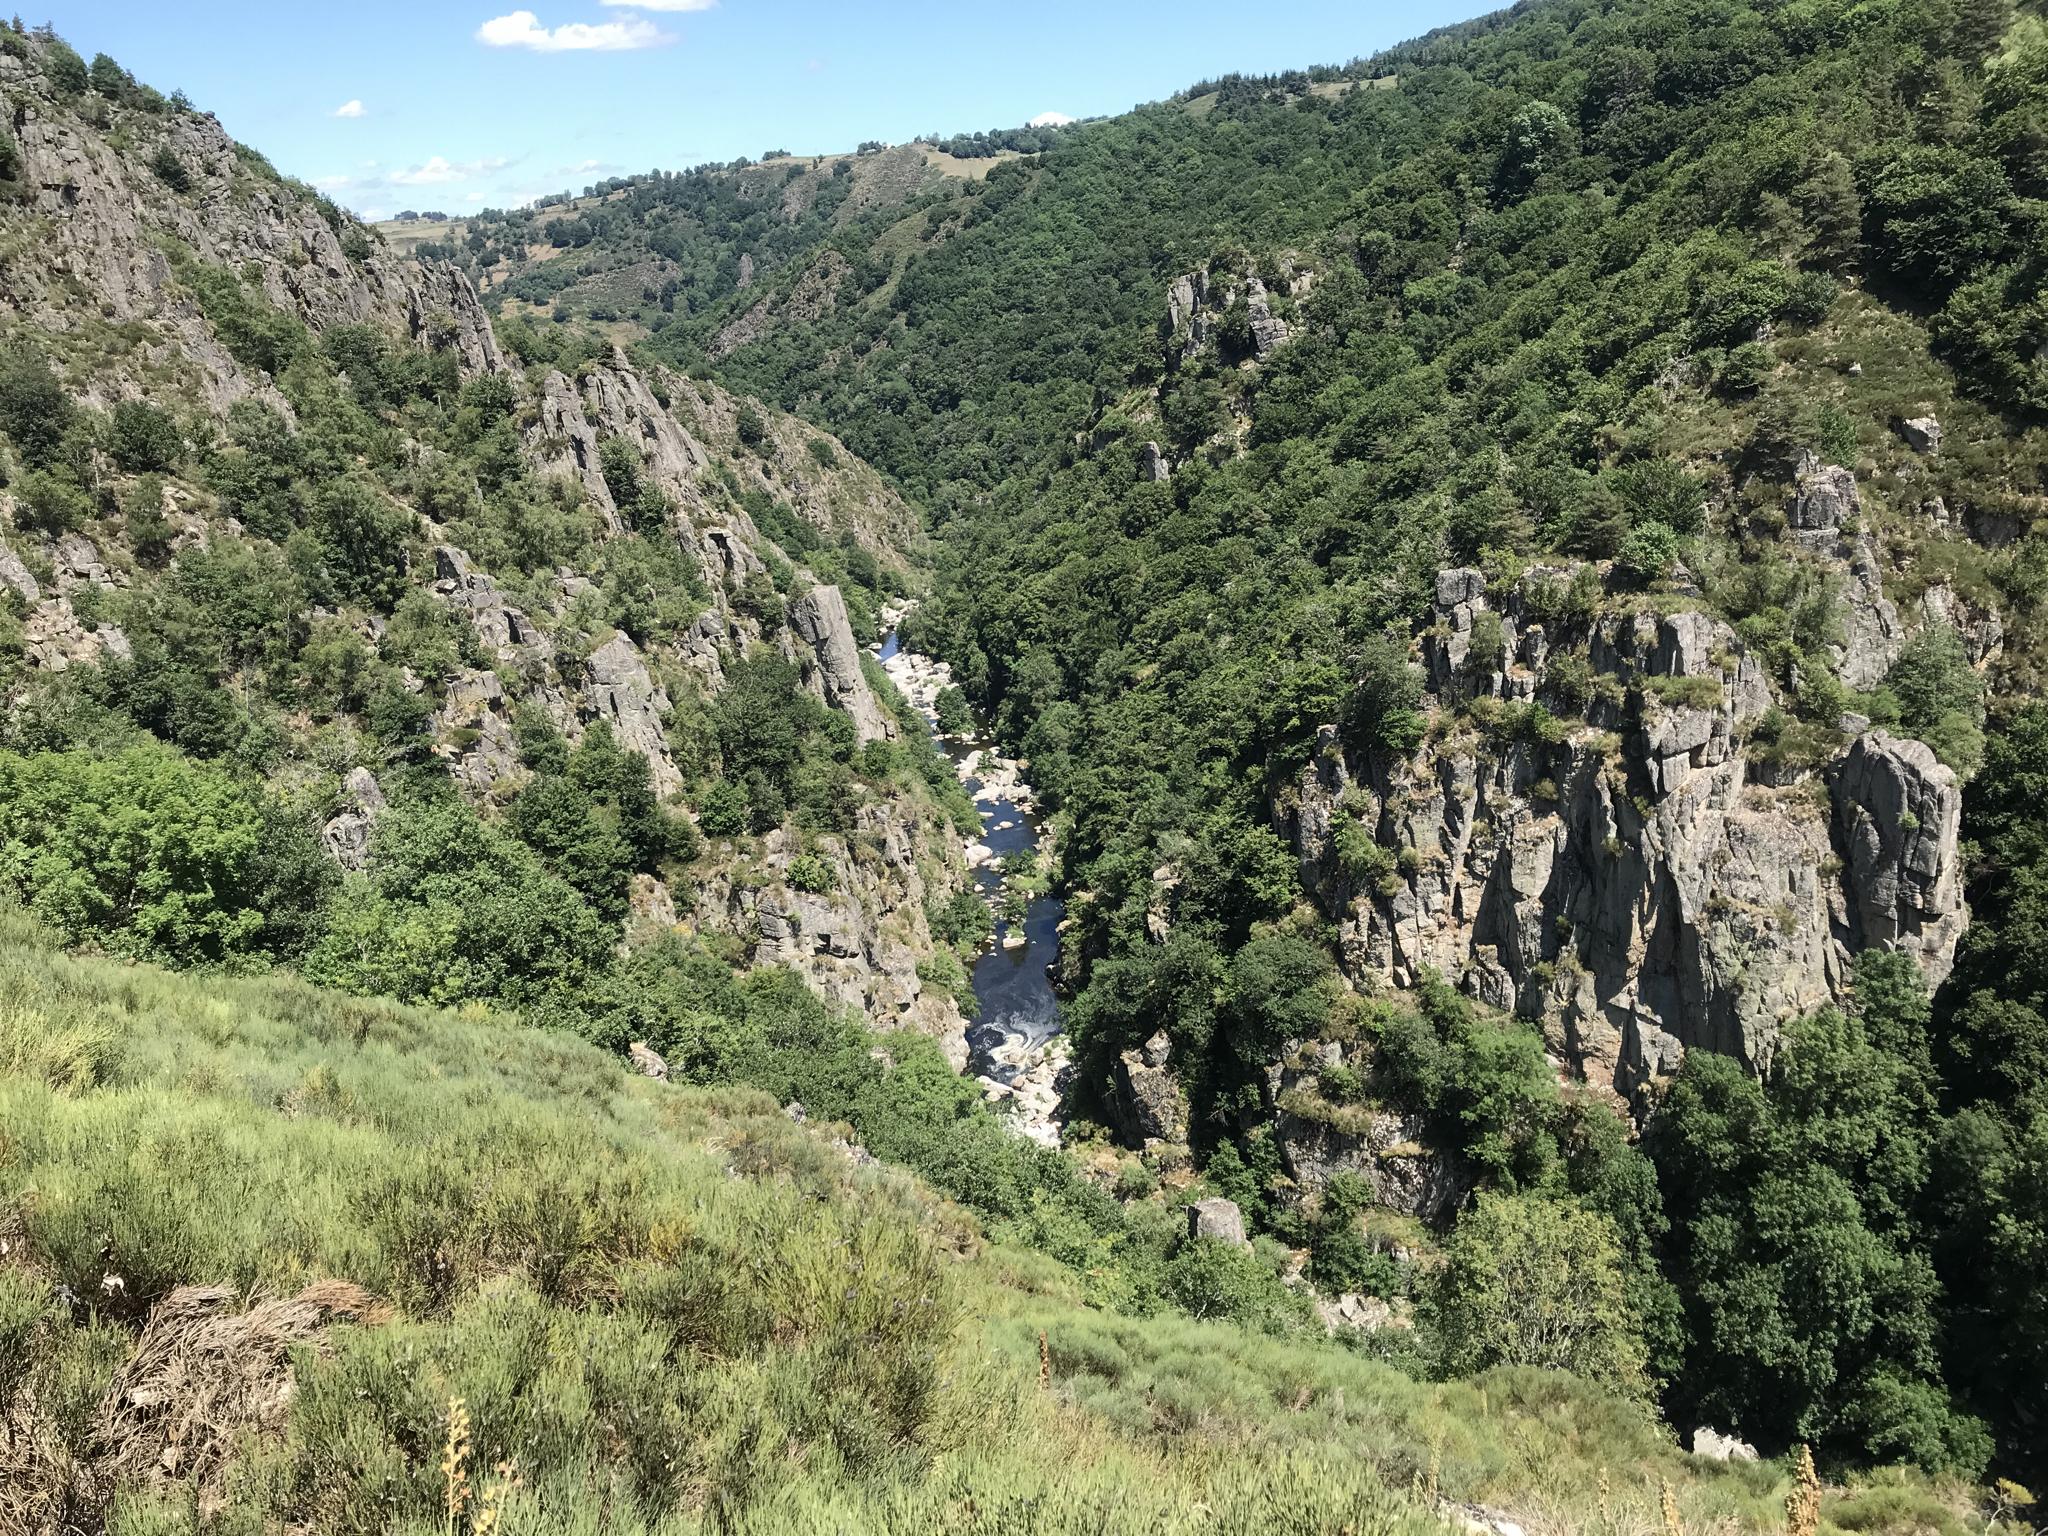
x=1596, y=834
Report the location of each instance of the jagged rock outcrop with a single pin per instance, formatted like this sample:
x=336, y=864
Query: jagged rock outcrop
x=857, y=941
x=622, y=691
x=346, y=834
x=832, y=670
x=101, y=245
x=1898, y=814
x=1825, y=516
x=504, y=630
x=108, y=221
x=1199, y=303
x=1390, y=1150
x=1922, y=434
x=1647, y=879
x=1147, y=1100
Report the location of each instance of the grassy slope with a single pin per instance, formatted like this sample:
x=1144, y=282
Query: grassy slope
x=677, y=1309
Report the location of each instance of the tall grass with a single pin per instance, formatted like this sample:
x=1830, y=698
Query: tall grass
x=674, y=1310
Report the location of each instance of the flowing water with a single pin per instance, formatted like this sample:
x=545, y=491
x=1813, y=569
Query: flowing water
x=1019, y=1016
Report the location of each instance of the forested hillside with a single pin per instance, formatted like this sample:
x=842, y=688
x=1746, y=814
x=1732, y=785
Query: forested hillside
x=1513, y=522
x=1513, y=566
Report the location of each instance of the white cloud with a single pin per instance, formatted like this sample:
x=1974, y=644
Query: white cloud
x=475, y=197
x=1049, y=120
x=663, y=5
x=522, y=29
x=432, y=174
x=439, y=171
x=351, y=109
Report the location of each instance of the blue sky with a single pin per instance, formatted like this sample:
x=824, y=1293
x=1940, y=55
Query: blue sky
x=456, y=104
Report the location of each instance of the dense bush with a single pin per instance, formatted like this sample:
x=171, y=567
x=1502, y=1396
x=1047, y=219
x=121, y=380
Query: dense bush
x=151, y=855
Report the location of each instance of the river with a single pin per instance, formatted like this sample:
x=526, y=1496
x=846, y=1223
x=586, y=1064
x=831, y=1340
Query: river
x=1014, y=1045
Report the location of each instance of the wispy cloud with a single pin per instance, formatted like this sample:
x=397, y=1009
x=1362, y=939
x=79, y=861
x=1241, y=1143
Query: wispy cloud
x=522, y=29
x=1049, y=120
x=439, y=172
x=351, y=109
x=436, y=171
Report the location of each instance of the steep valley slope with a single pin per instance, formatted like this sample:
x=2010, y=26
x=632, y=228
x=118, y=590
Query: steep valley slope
x=1514, y=569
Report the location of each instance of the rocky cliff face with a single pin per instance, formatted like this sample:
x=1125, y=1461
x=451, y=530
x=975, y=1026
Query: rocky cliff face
x=101, y=229
x=103, y=278
x=1595, y=835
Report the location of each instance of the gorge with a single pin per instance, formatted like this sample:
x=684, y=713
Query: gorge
x=1319, y=808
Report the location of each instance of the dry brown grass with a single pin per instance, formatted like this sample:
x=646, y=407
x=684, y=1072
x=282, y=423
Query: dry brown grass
x=203, y=1376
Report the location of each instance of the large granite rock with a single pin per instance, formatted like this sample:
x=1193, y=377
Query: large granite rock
x=1146, y=1099
x=832, y=669
x=1647, y=882
x=346, y=834
x=621, y=690
x=1898, y=813
x=1219, y=1220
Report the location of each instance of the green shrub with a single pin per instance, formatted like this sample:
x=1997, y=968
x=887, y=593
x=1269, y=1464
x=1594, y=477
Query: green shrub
x=147, y=854
x=48, y=502
x=169, y=169
x=142, y=438
x=35, y=411
x=808, y=872
x=64, y=68
x=1531, y=1281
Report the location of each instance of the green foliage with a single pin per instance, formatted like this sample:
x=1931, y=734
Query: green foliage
x=618, y=1277
x=142, y=438
x=950, y=709
x=1529, y=1281
x=1482, y=1082
x=151, y=855
x=1209, y=1278
x=595, y=822
x=169, y=169
x=1812, y=1304
x=51, y=502
x=35, y=411
x=808, y=872
x=1940, y=696
x=751, y=430
x=64, y=68
x=249, y=326
x=454, y=910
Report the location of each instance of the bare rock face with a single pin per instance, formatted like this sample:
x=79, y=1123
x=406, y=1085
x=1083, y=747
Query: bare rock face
x=1898, y=812
x=1391, y=1152
x=106, y=221
x=473, y=732
x=505, y=631
x=621, y=690
x=1825, y=499
x=563, y=441
x=1644, y=883
x=1825, y=516
x=832, y=670
x=1218, y=1220
x=1148, y=1104
x=346, y=835
x=858, y=942
x=17, y=577
x=1152, y=464
x=1196, y=303
x=1715, y=1446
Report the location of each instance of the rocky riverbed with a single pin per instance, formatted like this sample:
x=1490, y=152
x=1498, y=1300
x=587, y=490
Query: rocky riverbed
x=1015, y=1048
